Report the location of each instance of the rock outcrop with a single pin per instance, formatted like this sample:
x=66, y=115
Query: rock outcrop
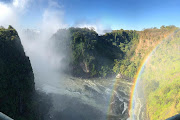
x=16, y=76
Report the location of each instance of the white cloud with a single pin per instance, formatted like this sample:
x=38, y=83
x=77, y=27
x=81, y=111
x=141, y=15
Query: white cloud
x=52, y=17
x=11, y=13
x=7, y=15
x=98, y=27
x=16, y=3
x=20, y=4
x=52, y=21
x=54, y=4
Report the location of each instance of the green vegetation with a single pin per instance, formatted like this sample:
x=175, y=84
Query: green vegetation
x=139, y=48
x=161, y=79
x=120, y=51
x=18, y=98
x=94, y=55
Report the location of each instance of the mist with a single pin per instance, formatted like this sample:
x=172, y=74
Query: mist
x=36, y=42
x=70, y=99
x=69, y=96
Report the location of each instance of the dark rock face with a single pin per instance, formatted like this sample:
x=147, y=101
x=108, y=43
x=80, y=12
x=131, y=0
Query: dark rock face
x=16, y=76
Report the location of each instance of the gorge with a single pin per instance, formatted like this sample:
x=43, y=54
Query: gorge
x=78, y=74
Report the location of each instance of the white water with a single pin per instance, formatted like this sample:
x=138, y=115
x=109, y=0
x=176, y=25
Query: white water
x=73, y=97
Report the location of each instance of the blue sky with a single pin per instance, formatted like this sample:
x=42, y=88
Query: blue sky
x=114, y=14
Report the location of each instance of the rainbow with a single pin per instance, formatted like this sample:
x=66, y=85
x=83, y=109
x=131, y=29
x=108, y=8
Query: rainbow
x=140, y=71
x=135, y=81
x=136, y=78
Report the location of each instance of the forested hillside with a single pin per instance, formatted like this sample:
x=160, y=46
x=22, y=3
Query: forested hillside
x=161, y=79
x=93, y=55
x=84, y=54
x=120, y=51
x=147, y=40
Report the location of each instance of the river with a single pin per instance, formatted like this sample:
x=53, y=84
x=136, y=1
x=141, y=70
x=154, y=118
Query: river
x=87, y=99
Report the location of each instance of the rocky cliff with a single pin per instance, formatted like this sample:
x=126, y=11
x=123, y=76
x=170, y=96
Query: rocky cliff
x=16, y=76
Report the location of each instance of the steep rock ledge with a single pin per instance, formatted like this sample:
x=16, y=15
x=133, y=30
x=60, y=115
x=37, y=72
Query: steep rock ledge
x=16, y=76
